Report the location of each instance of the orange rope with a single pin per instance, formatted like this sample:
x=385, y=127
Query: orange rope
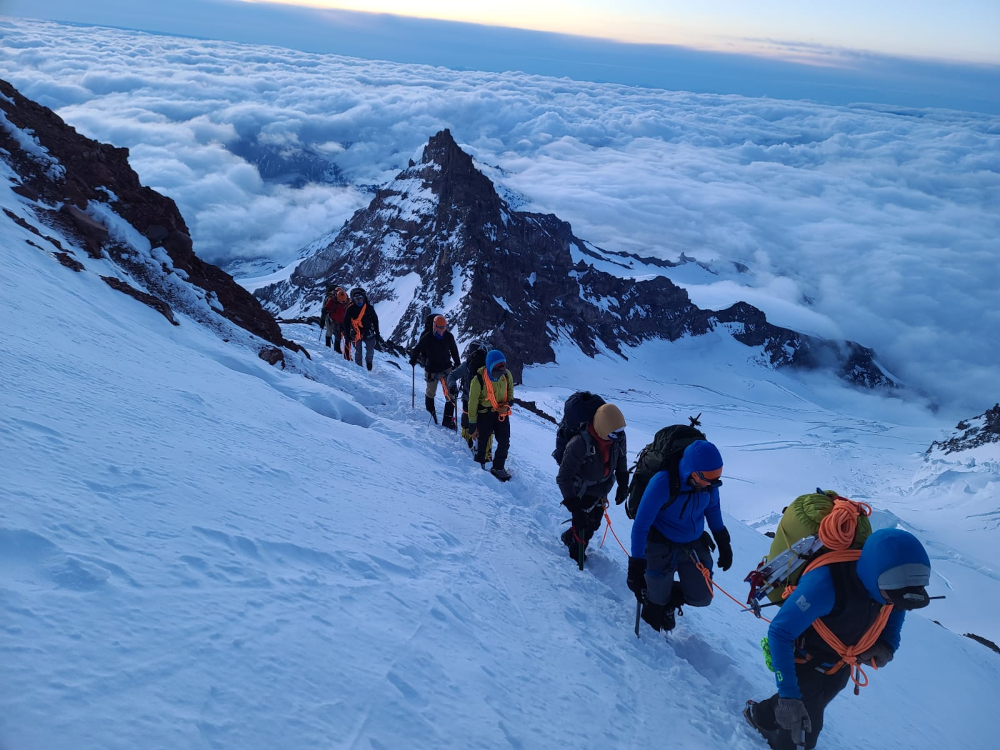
x=502, y=410
x=608, y=528
x=707, y=575
x=838, y=527
x=356, y=322
x=849, y=654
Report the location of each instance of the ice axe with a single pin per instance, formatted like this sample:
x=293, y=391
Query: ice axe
x=413, y=387
x=799, y=736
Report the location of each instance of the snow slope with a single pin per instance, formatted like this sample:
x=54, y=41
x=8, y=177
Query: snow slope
x=198, y=550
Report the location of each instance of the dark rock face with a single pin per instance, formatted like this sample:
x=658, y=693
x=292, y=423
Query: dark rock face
x=973, y=433
x=523, y=280
x=64, y=174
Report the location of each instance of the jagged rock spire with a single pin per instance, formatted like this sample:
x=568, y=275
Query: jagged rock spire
x=522, y=280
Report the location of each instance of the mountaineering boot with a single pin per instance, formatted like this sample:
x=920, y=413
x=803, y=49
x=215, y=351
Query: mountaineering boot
x=429, y=405
x=369, y=364
x=654, y=615
x=773, y=736
x=502, y=474
x=568, y=538
x=449, y=416
x=328, y=342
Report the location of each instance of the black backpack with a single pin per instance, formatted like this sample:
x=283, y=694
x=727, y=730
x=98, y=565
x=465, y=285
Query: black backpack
x=664, y=453
x=476, y=360
x=579, y=410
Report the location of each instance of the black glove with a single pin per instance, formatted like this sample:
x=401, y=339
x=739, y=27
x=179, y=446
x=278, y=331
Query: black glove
x=880, y=653
x=413, y=363
x=637, y=577
x=791, y=714
x=706, y=539
x=622, y=494
x=725, y=548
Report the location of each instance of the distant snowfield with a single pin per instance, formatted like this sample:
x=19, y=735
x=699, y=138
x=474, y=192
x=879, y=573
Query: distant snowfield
x=198, y=550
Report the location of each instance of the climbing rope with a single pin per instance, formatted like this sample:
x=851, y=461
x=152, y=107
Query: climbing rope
x=609, y=528
x=838, y=527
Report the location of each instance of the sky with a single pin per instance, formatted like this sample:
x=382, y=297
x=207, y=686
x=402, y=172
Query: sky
x=909, y=54
x=200, y=550
x=964, y=30
x=877, y=224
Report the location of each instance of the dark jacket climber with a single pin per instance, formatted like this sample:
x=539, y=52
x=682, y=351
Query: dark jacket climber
x=593, y=461
x=850, y=600
x=439, y=351
x=668, y=537
x=361, y=326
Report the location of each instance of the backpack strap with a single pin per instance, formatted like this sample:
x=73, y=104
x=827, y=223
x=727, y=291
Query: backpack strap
x=848, y=654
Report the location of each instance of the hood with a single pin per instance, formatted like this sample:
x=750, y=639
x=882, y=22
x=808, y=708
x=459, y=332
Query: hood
x=893, y=559
x=491, y=361
x=608, y=419
x=701, y=455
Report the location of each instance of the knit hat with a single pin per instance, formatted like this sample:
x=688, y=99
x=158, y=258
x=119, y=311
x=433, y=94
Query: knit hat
x=493, y=358
x=607, y=419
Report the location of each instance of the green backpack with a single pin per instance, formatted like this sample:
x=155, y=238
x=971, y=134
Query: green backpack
x=796, y=544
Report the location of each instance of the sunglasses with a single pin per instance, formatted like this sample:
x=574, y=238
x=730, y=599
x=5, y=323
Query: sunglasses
x=499, y=366
x=616, y=434
x=702, y=481
x=441, y=328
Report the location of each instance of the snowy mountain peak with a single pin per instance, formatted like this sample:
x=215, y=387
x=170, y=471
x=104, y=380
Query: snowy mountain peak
x=80, y=201
x=981, y=430
x=439, y=238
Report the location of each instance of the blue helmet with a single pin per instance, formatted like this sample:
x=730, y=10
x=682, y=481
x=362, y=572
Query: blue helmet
x=894, y=567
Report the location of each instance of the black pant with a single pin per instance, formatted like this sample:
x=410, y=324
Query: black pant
x=588, y=512
x=488, y=424
x=818, y=689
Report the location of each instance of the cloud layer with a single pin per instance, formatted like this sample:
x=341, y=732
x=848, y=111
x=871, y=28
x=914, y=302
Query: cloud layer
x=877, y=222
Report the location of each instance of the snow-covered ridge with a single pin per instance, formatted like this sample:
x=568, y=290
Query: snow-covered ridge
x=199, y=548
x=81, y=202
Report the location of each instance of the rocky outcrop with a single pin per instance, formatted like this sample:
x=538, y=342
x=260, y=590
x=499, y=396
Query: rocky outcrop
x=524, y=280
x=973, y=433
x=88, y=191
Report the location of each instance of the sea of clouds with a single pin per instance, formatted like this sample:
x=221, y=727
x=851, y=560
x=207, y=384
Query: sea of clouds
x=878, y=224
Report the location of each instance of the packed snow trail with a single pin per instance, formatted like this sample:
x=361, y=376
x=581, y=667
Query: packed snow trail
x=199, y=550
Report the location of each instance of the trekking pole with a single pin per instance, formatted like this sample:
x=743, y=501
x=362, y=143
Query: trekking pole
x=413, y=386
x=799, y=737
x=638, y=612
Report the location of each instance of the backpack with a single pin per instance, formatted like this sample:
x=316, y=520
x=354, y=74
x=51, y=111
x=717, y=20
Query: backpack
x=475, y=362
x=578, y=412
x=663, y=454
x=797, y=542
x=428, y=325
